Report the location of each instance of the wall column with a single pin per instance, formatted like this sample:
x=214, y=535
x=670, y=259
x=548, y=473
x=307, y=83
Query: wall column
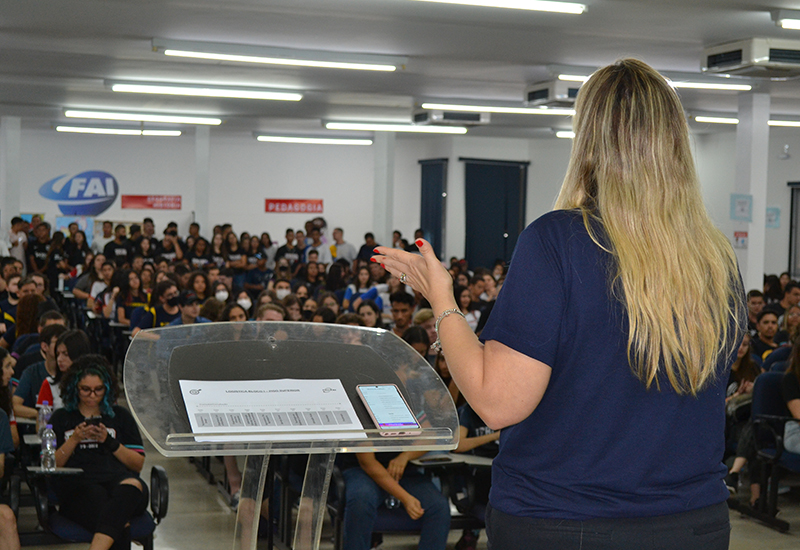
x=10, y=169
x=202, y=189
x=752, y=159
x=383, y=188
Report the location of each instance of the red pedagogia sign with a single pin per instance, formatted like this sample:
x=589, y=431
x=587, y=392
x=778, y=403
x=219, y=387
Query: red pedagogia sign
x=301, y=206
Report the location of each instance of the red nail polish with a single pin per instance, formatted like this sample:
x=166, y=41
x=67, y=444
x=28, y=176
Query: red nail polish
x=375, y=250
x=373, y=259
x=383, y=266
x=419, y=242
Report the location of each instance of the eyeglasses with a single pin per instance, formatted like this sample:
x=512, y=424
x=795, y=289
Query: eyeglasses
x=89, y=391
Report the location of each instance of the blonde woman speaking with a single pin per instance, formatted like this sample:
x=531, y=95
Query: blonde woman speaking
x=605, y=358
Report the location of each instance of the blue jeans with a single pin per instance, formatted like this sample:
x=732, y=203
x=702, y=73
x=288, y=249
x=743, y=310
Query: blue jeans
x=363, y=498
x=791, y=437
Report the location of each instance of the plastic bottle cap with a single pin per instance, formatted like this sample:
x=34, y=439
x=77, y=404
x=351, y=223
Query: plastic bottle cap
x=49, y=426
x=45, y=402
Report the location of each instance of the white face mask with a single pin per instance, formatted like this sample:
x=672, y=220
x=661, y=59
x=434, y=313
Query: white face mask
x=282, y=293
x=245, y=303
x=221, y=295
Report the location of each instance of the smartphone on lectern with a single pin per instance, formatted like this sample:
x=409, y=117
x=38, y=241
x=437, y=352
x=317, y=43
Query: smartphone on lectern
x=388, y=409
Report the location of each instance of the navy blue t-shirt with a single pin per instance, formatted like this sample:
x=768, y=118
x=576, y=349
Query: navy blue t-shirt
x=598, y=444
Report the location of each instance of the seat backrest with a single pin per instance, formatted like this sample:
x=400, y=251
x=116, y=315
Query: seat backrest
x=767, y=397
x=780, y=354
x=779, y=366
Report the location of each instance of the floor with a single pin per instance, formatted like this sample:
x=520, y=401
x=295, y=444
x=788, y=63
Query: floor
x=199, y=517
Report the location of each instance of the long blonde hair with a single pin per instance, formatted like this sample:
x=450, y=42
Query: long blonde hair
x=632, y=171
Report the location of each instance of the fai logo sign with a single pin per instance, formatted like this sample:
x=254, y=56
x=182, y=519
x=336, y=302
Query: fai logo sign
x=87, y=194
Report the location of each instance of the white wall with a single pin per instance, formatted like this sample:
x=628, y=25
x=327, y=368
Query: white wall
x=715, y=155
x=142, y=166
x=244, y=172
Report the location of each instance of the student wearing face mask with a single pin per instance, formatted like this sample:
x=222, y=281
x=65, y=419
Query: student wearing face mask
x=243, y=299
x=282, y=288
x=163, y=308
x=221, y=292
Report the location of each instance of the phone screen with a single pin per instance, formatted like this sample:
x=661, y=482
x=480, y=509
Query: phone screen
x=387, y=406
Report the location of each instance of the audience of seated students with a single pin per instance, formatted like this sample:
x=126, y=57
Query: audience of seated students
x=70, y=346
x=788, y=326
x=271, y=312
x=8, y=306
x=163, y=308
x=26, y=394
x=27, y=322
x=766, y=328
x=189, y=306
x=402, y=311
x=790, y=390
x=7, y=365
x=791, y=297
x=9, y=441
x=363, y=288
x=110, y=492
x=463, y=298
x=126, y=296
x=755, y=304
x=476, y=438
x=371, y=313
x=83, y=285
x=33, y=353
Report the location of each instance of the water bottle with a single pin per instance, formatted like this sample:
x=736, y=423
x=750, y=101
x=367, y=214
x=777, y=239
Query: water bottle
x=392, y=502
x=44, y=416
x=48, y=458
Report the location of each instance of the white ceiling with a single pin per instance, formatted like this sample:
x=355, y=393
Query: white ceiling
x=57, y=54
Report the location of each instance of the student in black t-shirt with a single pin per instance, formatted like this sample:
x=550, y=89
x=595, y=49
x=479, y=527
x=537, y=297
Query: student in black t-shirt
x=38, y=249
x=100, y=437
x=119, y=250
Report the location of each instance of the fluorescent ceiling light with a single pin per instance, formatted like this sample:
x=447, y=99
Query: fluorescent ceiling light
x=675, y=84
x=711, y=86
x=205, y=91
x=565, y=134
x=723, y=120
x=716, y=120
x=242, y=53
x=314, y=141
x=141, y=117
x=573, y=77
x=370, y=127
x=533, y=5
x=503, y=110
x=118, y=131
x=785, y=123
x=787, y=19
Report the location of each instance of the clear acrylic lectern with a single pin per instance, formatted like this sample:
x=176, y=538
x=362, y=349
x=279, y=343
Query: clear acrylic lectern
x=171, y=372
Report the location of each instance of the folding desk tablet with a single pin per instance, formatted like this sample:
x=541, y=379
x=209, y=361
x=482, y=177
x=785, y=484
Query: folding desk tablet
x=277, y=388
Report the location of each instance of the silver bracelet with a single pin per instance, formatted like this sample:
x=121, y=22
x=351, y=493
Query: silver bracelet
x=437, y=345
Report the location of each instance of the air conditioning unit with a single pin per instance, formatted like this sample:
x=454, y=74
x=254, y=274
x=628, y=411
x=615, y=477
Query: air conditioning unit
x=754, y=57
x=554, y=93
x=449, y=118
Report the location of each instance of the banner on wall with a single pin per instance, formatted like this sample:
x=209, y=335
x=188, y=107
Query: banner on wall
x=294, y=206
x=86, y=194
x=152, y=202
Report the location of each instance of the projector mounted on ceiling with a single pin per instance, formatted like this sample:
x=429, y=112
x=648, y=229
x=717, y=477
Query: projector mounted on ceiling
x=754, y=57
x=435, y=117
x=554, y=93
